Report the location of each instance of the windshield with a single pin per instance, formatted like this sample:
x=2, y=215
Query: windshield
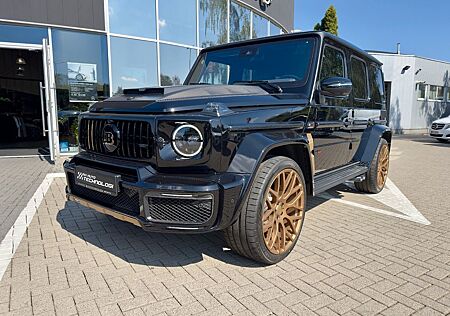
x=285, y=62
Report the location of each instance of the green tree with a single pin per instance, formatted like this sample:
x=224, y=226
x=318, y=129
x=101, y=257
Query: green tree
x=329, y=22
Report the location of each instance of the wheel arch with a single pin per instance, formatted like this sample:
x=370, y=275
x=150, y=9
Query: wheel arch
x=255, y=148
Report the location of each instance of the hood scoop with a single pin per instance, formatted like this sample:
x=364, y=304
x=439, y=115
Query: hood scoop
x=144, y=91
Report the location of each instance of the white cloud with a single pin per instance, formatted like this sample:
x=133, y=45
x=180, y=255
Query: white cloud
x=162, y=23
x=132, y=79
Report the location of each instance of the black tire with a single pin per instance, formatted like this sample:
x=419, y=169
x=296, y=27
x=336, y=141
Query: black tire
x=371, y=184
x=245, y=236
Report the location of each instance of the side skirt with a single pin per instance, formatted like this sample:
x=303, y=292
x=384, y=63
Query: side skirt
x=330, y=179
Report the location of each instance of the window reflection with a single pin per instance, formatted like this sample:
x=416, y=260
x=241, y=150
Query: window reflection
x=22, y=34
x=133, y=17
x=274, y=30
x=239, y=23
x=260, y=26
x=212, y=22
x=81, y=73
x=133, y=64
x=177, y=21
x=175, y=63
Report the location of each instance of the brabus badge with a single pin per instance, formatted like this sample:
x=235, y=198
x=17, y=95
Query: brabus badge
x=110, y=137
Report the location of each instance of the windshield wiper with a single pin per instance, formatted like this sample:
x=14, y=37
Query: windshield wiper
x=199, y=84
x=267, y=85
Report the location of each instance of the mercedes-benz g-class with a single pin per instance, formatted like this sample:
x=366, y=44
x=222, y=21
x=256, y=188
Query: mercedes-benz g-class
x=256, y=128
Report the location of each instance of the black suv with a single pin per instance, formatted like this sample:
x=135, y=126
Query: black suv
x=256, y=127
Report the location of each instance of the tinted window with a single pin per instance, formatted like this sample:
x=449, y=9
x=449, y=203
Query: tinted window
x=359, y=78
x=213, y=22
x=178, y=21
x=239, y=23
x=133, y=64
x=287, y=61
x=376, y=85
x=333, y=63
x=176, y=62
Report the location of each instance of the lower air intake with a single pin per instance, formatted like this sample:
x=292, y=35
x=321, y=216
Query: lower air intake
x=180, y=210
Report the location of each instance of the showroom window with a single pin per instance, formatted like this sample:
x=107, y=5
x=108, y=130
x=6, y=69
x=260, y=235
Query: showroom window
x=176, y=62
x=240, y=24
x=22, y=34
x=133, y=17
x=81, y=74
x=421, y=91
x=274, y=30
x=133, y=64
x=213, y=22
x=177, y=21
x=260, y=26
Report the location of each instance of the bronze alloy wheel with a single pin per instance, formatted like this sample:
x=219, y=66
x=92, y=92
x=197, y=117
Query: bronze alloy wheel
x=283, y=211
x=383, y=166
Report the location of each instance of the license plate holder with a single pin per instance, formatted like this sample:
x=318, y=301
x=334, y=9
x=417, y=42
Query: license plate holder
x=97, y=180
x=434, y=132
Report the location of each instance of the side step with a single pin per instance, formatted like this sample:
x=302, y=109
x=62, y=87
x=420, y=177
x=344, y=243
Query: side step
x=330, y=179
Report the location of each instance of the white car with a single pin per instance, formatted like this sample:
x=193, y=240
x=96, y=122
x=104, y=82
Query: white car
x=440, y=129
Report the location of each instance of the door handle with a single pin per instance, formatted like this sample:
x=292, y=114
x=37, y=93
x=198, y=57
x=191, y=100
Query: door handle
x=44, y=130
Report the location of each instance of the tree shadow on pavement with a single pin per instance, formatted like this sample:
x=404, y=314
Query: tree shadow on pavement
x=430, y=142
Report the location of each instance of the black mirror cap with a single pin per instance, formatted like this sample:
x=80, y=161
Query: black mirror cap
x=336, y=87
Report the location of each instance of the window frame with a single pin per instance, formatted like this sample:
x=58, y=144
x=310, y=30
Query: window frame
x=367, y=99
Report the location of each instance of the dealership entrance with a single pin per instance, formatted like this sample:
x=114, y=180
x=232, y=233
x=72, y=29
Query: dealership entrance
x=26, y=111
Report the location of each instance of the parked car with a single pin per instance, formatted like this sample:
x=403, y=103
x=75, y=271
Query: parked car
x=440, y=129
x=257, y=127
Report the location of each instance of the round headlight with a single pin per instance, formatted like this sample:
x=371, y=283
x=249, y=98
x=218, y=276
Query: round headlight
x=187, y=140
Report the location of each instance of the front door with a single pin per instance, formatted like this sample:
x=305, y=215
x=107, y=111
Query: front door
x=25, y=119
x=331, y=134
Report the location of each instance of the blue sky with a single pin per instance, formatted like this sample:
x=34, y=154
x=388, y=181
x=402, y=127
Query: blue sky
x=422, y=27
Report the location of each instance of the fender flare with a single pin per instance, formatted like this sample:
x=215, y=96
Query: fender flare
x=253, y=150
x=369, y=143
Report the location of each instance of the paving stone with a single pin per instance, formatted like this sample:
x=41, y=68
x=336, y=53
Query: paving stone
x=350, y=261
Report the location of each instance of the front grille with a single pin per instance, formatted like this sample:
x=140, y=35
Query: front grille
x=179, y=210
x=127, y=201
x=437, y=126
x=136, y=138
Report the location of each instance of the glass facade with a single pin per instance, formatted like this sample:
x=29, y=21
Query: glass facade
x=133, y=17
x=22, y=34
x=81, y=77
x=175, y=62
x=133, y=64
x=213, y=21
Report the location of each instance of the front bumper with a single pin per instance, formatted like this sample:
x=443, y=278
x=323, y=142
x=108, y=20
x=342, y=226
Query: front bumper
x=160, y=202
x=441, y=133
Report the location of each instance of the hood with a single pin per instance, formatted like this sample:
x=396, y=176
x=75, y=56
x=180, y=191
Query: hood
x=192, y=98
x=444, y=120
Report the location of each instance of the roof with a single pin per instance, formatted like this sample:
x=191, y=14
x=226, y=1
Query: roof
x=375, y=52
x=320, y=34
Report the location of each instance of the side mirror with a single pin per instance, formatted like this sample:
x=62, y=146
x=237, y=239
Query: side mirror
x=336, y=87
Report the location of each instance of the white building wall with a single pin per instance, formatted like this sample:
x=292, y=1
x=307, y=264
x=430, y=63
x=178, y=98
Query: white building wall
x=408, y=115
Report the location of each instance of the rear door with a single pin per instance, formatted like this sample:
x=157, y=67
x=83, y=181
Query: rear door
x=368, y=99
